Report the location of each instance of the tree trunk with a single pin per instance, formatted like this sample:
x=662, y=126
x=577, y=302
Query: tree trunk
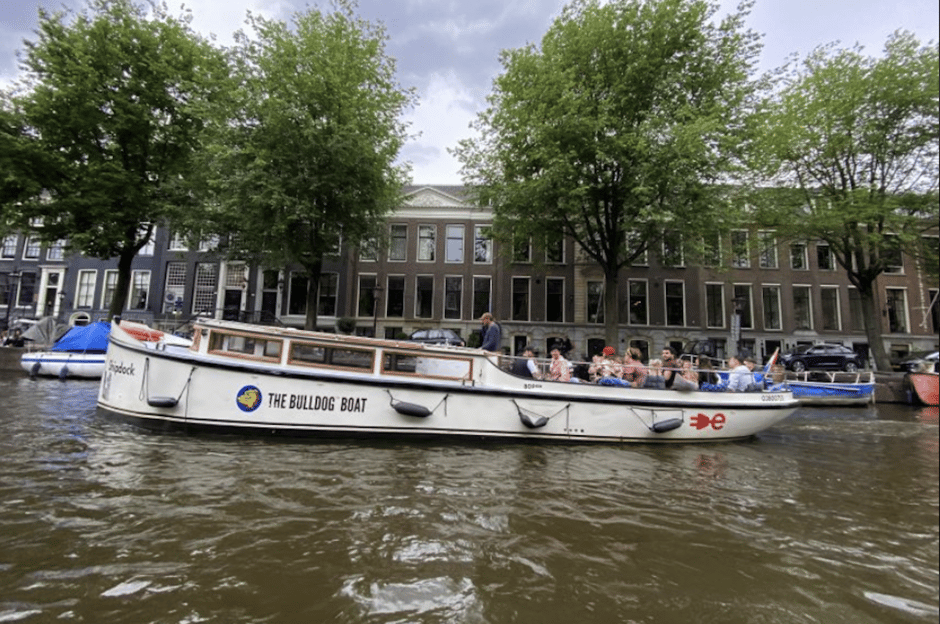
x=872, y=319
x=121, y=289
x=611, y=312
x=313, y=289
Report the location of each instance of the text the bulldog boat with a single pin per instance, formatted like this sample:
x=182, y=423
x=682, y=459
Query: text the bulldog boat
x=251, y=378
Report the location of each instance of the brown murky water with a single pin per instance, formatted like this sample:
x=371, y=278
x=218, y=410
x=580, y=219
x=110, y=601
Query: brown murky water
x=831, y=516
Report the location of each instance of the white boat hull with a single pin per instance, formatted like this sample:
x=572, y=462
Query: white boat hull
x=63, y=364
x=200, y=390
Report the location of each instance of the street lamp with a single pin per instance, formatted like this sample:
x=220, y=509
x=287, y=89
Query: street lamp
x=376, y=291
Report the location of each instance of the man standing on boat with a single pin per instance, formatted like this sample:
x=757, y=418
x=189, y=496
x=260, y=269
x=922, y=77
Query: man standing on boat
x=492, y=335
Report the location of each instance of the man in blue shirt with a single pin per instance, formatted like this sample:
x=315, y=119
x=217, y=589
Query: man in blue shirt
x=492, y=334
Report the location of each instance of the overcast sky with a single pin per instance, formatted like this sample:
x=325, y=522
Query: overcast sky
x=449, y=49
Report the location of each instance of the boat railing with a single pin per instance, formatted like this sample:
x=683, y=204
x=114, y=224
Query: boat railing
x=831, y=377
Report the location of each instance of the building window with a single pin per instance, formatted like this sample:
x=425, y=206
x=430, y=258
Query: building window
x=672, y=249
x=85, y=290
x=482, y=246
x=802, y=308
x=427, y=242
x=798, y=260
x=770, y=296
x=297, y=295
x=110, y=285
x=522, y=250
x=740, y=254
x=209, y=243
x=453, y=252
x=711, y=250
x=366, y=304
x=675, y=303
x=398, y=242
x=638, y=303
x=481, y=296
x=395, y=296
x=326, y=294
x=453, y=297
x=897, y=310
x=894, y=262
x=595, y=302
x=768, y=250
x=139, y=291
x=554, y=300
x=520, y=299
x=207, y=280
x=175, y=288
x=831, y=314
x=855, y=310
x=27, y=294
x=743, y=304
x=555, y=250
x=368, y=251
x=424, y=296
x=31, y=249
x=56, y=250
x=715, y=305
x=178, y=242
x=9, y=246
x=824, y=258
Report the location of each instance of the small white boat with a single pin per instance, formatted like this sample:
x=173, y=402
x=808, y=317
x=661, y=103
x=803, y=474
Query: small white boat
x=78, y=353
x=275, y=380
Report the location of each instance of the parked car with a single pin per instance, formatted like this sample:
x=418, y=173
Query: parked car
x=919, y=361
x=831, y=356
x=437, y=336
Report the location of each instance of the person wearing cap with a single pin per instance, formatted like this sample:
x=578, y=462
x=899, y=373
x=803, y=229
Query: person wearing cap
x=526, y=366
x=741, y=375
x=560, y=368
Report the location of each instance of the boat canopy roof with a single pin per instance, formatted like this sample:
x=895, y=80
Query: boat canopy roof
x=93, y=337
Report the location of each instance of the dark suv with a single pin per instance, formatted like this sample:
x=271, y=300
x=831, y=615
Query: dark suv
x=831, y=356
x=437, y=336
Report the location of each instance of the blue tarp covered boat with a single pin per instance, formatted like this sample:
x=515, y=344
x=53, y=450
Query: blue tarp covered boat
x=78, y=353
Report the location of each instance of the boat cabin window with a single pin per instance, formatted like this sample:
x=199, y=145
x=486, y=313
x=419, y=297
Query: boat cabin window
x=246, y=346
x=428, y=366
x=321, y=355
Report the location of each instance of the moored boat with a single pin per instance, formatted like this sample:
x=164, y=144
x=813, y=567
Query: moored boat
x=78, y=353
x=829, y=388
x=925, y=386
x=276, y=380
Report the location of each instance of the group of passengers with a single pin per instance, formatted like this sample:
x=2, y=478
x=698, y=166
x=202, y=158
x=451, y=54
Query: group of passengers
x=669, y=371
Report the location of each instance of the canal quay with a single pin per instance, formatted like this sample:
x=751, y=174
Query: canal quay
x=830, y=516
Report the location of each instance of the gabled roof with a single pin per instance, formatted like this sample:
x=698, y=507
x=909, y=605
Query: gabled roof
x=440, y=201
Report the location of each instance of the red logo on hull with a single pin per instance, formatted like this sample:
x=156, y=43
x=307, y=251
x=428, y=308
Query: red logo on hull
x=701, y=421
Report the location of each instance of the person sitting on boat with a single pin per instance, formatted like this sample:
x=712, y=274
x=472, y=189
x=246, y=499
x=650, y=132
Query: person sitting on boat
x=526, y=366
x=687, y=379
x=671, y=366
x=654, y=379
x=560, y=368
x=608, y=365
x=491, y=333
x=633, y=369
x=708, y=379
x=741, y=377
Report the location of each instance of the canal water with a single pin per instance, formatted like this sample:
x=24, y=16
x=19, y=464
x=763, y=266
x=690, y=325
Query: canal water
x=831, y=516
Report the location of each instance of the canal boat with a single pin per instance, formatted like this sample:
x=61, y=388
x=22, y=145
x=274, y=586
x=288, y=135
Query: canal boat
x=831, y=388
x=80, y=352
x=925, y=386
x=277, y=380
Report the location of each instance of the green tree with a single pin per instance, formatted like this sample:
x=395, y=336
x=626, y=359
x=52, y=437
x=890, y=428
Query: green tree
x=308, y=163
x=852, y=141
x=617, y=130
x=111, y=109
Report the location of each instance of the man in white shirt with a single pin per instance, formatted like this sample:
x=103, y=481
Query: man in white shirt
x=741, y=375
